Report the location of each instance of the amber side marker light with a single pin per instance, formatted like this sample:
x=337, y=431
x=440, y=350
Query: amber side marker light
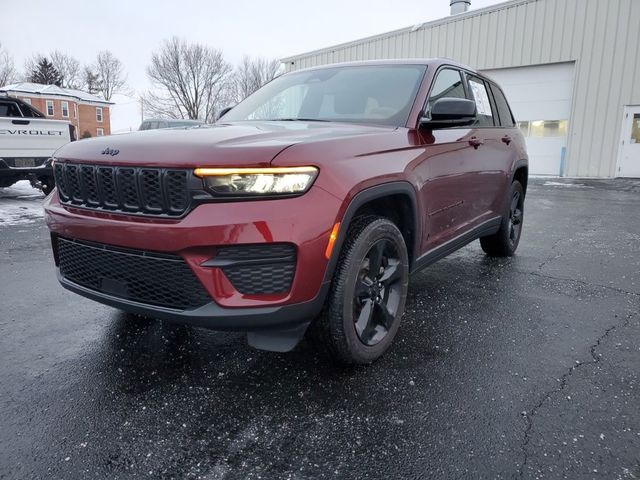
x=332, y=240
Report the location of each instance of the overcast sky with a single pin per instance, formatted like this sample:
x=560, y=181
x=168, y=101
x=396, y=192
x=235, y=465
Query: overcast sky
x=132, y=29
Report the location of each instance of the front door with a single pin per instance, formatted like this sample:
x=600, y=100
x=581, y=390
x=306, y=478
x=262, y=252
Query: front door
x=629, y=163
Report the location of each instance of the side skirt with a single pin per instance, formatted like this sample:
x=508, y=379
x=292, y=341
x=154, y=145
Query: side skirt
x=488, y=227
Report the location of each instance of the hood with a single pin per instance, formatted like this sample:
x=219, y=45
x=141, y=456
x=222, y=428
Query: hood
x=235, y=144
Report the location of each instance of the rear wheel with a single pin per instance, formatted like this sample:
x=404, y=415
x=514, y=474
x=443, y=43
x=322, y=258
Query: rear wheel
x=505, y=242
x=368, y=293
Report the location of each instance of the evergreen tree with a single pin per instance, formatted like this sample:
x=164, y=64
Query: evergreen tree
x=45, y=73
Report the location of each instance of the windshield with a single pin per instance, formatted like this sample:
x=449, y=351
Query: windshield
x=380, y=94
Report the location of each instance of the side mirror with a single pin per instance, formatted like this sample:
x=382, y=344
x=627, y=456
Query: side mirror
x=222, y=113
x=450, y=112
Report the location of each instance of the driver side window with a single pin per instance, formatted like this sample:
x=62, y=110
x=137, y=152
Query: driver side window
x=448, y=84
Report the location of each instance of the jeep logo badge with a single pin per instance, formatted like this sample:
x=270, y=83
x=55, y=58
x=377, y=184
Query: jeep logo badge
x=110, y=151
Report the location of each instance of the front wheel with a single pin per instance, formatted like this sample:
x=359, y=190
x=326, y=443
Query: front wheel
x=505, y=242
x=368, y=293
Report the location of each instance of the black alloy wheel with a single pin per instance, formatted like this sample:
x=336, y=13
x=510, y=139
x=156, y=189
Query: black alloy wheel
x=515, y=216
x=506, y=240
x=368, y=293
x=378, y=292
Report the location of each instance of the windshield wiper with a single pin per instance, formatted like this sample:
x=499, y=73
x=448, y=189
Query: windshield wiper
x=295, y=119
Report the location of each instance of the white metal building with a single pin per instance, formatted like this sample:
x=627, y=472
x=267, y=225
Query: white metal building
x=570, y=69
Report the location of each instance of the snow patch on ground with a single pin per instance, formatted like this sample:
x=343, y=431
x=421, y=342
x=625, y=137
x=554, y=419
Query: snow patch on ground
x=562, y=184
x=20, y=204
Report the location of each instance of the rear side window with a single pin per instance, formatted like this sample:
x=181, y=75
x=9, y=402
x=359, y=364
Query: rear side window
x=9, y=109
x=504, y=112
x=448, y=84
x=484, y=113
x=29, y=111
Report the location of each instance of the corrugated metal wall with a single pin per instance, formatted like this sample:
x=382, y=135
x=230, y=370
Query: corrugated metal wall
x=601, y=36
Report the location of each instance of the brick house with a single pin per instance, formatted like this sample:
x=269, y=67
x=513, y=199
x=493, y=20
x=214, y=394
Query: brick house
x=87, y=112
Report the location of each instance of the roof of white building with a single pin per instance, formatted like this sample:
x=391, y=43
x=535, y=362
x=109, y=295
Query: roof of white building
x=413, y=28
x=49, y=90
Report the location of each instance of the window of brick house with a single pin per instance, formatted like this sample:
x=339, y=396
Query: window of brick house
x=75, y=110
x=64, y=106
x=50, y=110
x=98, y=114
x=99, y=132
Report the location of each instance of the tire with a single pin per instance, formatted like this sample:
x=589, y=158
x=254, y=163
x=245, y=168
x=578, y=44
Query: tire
x=505, y=242
x=47, y=189
x=362, y=316
x=47, y=184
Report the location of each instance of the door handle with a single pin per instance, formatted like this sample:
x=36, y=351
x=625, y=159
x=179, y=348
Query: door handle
x=20, y=122
x=506, y=139
x=475, y=142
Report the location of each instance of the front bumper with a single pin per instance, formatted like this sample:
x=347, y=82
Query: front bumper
x=304, y=221
x=213, y=315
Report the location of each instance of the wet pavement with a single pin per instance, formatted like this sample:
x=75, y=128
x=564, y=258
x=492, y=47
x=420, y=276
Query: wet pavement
x=519, y=368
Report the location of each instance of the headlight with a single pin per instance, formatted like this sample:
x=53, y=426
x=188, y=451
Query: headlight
x=268, y=181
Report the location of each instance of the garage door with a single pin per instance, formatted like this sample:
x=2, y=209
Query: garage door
x=540, y=97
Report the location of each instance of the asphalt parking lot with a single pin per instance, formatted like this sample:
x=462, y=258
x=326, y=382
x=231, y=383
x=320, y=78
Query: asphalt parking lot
x=519, y=368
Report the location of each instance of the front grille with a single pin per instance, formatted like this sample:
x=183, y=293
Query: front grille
x=132, y=190
x=152, y=278
x=258, y=269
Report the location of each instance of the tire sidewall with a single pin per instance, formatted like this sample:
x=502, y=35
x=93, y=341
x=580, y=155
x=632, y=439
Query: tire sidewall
x=377, y=230
x=513, y=245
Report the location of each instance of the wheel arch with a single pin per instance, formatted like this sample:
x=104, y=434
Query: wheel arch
x=521, y=173
x=374, y=200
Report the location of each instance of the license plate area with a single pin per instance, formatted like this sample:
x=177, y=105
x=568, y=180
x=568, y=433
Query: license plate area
x=25, y=162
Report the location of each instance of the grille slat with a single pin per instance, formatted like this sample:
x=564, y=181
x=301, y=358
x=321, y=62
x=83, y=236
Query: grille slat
x=145, y=277
x=137, y=190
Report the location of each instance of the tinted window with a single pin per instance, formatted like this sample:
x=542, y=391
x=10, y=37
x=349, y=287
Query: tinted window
x=29, y=111
x=484, y=115
x=448, y=84
x=380, y=94
x=9, y=109
x=504, y=112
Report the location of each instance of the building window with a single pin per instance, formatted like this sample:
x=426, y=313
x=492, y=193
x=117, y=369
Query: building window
x=100, y=132
x=75, y=110
x=64, y=106
x=635, y=129
x=50, y=110
x=544, y=128
x=98, y=114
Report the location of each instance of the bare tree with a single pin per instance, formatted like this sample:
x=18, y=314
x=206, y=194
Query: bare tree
x=111, y=75
x=8, y=73
x=90, y=80
x=190, y=80
x=253, y=73
x=68, y=67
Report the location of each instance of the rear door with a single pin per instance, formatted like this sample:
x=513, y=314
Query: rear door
x=494, y=153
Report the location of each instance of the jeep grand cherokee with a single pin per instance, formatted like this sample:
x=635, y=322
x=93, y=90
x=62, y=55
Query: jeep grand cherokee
x=305, y=207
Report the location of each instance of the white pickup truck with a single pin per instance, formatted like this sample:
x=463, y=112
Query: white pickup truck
x=27, y=141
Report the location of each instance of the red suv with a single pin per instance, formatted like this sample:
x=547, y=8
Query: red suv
x=306, y=205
